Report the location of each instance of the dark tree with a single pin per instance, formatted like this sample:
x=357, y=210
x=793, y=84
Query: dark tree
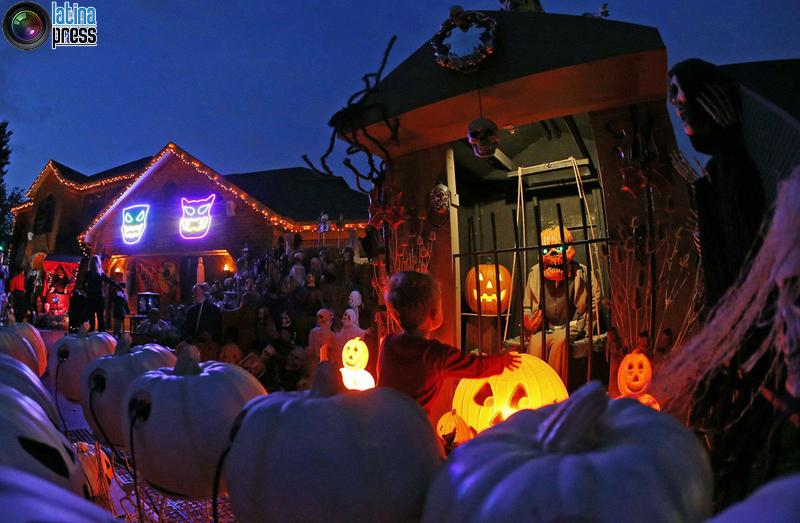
x=8, y=199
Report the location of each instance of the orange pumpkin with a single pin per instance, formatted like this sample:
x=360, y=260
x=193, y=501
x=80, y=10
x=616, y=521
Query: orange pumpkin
x=648, y=400
x=486, y=288
x=635, y=374
x=485, y=402
x=451, y=422
x=552, y=252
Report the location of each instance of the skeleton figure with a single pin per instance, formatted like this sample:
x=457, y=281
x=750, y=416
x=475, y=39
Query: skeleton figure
x=482, y=137
x=321, y=339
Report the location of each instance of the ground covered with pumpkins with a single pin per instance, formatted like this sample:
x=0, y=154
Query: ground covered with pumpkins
x=151, y=435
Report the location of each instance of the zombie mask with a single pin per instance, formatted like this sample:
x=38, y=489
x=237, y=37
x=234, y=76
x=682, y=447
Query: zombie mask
x=440, y=199
x=553, y=255
x=196, y=219
x=482, y=137
x=324, y=318
x=134, y=221
x=311, y=281
x=349, y=318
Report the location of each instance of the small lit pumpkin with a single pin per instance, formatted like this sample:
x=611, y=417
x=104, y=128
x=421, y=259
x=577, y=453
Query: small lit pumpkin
x=105, y=380
x=482, y=284
x=187, y=416
x=355, y=356
x=18, y=376
x=34, y=337
x=318, y=456
x=72, y=353
x=553, y=256
x=635, y=374
x=775, y=502
x=30, y=442
x=25, y=498
x=485, y=402
x=13, y=344
x=585, y=459
x=451, y=423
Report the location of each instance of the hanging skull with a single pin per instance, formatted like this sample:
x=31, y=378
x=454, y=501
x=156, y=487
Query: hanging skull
x=440, y=199
x=482, y=136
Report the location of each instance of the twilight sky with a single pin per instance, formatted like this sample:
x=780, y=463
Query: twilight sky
x=250, y=85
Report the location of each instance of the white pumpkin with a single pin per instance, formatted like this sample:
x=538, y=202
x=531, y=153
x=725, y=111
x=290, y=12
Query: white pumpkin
x=776, y=502
x=25, y=498
x=18, y=376
x=13, y=344
x=30, y=442
x=70, y=355
x=586, y=459
x=34, y=337
x=189, y=414
x=318, y=457
x=105, y=381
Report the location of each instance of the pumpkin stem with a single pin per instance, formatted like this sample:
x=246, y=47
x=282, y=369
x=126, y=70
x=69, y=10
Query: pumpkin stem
x=572, y=425
x=327, y=382
x=123, y=345
x=188, y=363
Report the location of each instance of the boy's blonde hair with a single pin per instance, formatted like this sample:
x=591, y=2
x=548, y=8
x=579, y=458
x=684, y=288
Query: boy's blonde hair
x=412, y=297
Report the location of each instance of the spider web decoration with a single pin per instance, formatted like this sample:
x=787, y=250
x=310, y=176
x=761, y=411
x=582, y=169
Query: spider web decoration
x=349, y=124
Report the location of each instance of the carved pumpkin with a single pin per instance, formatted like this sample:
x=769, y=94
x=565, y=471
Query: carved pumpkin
x=189, y=414
x=485, y=402
x=18, y=376
x=553, y=256
x=635, y=374
x=74, y=352
x=451, y=422
x=31, y=443
x=486, y=288
x=13, y=344
x=318, y=457
x=34, y=337
x=105, y=380
x=355, y=356
x=776, y=502
x=576, y=461
x=26, y=498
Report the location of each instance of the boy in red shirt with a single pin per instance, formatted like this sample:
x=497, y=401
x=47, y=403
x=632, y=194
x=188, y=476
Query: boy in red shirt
x=415, y=365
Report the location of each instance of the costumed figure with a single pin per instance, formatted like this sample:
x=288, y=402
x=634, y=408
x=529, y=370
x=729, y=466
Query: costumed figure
x=356, y=303
x=556, y=311
x=321, y=339
x=350, y=330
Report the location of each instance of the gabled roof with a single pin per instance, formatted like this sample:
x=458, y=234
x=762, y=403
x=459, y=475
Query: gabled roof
x=69, y=173
x=78, y=181
x=525, y=44
x=301, y=194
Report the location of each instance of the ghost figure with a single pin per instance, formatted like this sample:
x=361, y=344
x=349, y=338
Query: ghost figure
x=350, y=329
x=482, y=137
x=356, y=303
x=321, y=339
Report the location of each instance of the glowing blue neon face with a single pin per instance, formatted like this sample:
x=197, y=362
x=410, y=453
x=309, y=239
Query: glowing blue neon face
x=134, y=221
x=196, y=219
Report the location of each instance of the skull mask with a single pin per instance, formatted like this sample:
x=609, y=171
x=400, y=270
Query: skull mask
x=324, y=317
x=482, y=136
x=440, y=199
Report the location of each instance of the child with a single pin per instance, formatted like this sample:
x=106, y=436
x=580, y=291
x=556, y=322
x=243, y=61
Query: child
x=414, y=364
x=119, y=309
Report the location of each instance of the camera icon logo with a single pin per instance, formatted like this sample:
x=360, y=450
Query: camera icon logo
x=26, y=25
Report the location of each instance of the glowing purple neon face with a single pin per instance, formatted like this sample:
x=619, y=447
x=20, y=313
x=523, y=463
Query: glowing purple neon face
x=196, y=218
x=134, y=221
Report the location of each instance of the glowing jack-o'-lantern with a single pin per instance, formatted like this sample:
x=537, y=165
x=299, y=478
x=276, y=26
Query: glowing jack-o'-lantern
x=553, y=254
x=635, y=374
x=452, y=423
x=485, y=402
x=487, y=289
x=355, y=356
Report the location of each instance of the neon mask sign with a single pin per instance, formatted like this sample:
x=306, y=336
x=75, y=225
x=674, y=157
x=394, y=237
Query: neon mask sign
x=134, y=221
x=196, y=219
